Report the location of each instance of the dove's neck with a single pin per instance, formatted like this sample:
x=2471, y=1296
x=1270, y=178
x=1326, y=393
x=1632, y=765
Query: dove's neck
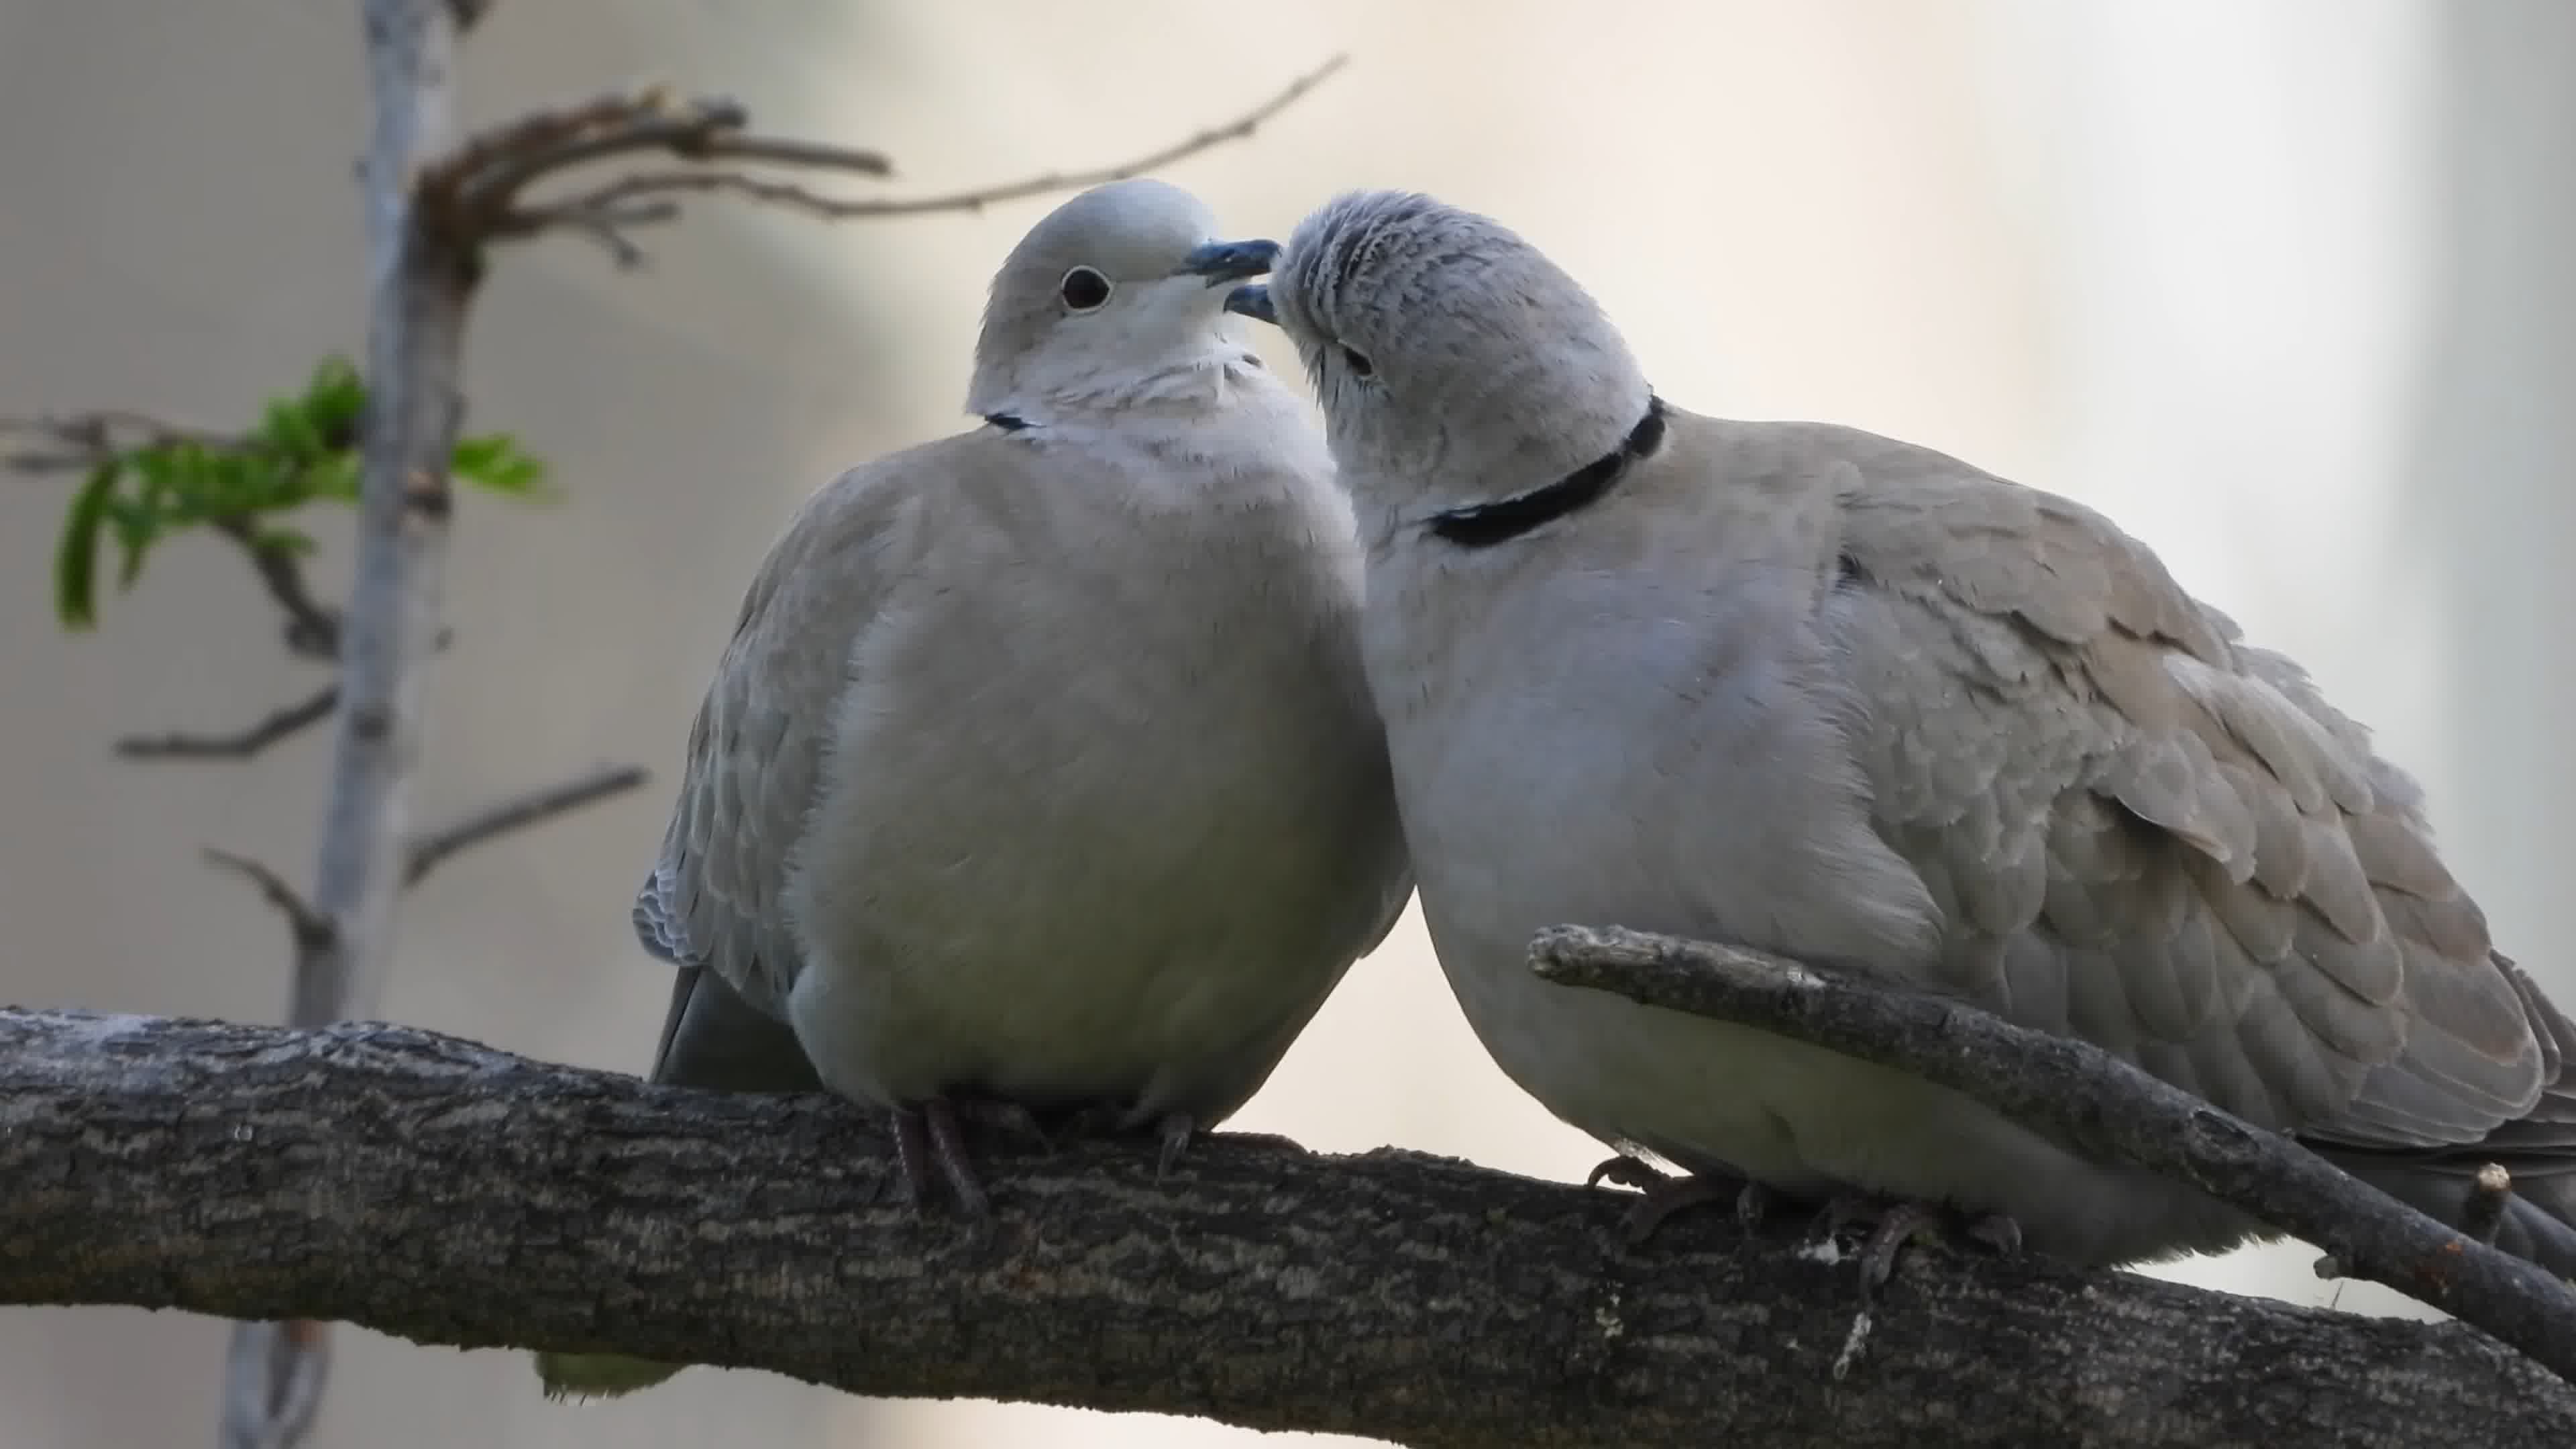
x=1067, y=385
x=1483, y=525
x=1231, y=413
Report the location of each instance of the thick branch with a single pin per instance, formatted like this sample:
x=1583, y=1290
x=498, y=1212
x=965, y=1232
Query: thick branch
x=452, y=1194
x=415, y=345
x=2083, y=1095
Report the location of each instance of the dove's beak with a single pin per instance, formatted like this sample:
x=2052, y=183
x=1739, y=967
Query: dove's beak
x=1229, y=261
x=1252, y=299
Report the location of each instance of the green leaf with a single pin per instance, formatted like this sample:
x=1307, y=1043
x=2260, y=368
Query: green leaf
x=76, y=557
x=335, y=403
x=136, y=531
x=234, y=483
x=335, y=477
x=496, y=463
x=288, y=428
x=157, y=469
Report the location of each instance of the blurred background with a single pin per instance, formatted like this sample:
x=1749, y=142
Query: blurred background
x=2284, y=285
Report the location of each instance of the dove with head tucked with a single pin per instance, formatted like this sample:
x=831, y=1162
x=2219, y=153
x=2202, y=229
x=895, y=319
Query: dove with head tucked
x=1041, y=768
x=1830, y=695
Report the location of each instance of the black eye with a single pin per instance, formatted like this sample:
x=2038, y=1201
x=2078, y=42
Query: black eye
x=1083, y=289
x=1358, y=362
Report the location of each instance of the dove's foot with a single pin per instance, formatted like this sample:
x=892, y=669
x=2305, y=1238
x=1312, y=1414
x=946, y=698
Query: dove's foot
x=1177, y=1130
x=1896, y=1222
x=1002, y=1115
x=926, y=1137
x=1660, y=1195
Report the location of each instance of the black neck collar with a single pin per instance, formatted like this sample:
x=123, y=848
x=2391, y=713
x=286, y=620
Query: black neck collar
x=1007, y=422
x=1483, y=525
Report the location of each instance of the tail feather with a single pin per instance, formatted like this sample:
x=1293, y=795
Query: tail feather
x=580, y=1376
x=2538, y=1149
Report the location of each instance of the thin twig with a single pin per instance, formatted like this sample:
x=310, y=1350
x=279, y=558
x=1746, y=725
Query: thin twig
x=518, y=813
x=979, y=198
x=312, y=930
x=241, y=744
x=92, y=436
x=2078, y=1093
x=598, y=212
x=312, y=627
x=2490, y=1193
x=485, y=177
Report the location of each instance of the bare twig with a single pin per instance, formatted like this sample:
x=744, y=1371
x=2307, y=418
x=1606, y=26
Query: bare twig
x=2080, y=1094
x=312, y=628
x=518, y=813
x=2490, y=1193
x=312, y=929
x=85, y=438
x=605, y=210
x=474, y=187
x=277, y=725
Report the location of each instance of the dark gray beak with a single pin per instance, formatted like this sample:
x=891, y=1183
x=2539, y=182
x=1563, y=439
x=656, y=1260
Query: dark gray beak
x=1223, y=262
x=1252, y=299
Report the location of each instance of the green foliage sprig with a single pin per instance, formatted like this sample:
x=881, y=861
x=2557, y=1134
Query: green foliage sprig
x=305, y=450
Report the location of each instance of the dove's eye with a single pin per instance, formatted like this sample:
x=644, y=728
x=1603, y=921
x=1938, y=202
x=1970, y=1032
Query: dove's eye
x=1357, y=361
x=1083, y=289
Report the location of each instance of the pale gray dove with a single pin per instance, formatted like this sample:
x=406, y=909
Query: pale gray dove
x=1041, y=770
x=1804, y=689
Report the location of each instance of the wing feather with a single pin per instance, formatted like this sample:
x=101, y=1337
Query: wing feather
x=755, y=755
x=2146, y=832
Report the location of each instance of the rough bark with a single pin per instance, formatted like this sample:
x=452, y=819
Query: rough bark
x=2082, y=1095
x=452, y=1194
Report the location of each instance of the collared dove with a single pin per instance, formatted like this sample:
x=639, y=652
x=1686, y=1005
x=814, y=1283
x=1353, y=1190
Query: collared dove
x=1808, y=690
x=1041, y=769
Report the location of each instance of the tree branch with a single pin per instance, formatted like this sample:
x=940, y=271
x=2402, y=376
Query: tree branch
x=241, y=744
x=310, y=928
x=452, y=1194
x=420, y=293
x=312, y=628
x=704, y=132
x=2077, y=1093
x=518, y=812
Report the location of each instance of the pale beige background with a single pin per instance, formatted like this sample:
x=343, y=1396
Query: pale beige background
x=2283, y=283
